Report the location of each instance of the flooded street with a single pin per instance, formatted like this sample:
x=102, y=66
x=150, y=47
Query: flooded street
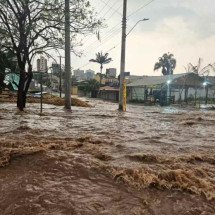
x=149, y=160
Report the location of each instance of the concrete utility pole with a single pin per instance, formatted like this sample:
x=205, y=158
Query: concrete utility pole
x=67, y=57
x=122, y=66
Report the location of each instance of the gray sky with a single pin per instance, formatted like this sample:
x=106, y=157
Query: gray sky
x=185, y=28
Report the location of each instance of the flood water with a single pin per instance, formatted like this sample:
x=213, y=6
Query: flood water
x=149, y=160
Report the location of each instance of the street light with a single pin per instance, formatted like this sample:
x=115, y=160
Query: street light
x=122, y=94
x=141, y=20
x=168, y=90
x=168, y=82
x=205, y=84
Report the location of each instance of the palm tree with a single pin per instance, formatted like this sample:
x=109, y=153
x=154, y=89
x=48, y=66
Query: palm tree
x=207, y=70
x=101, y=59
x=167, y=63
x=92, y=85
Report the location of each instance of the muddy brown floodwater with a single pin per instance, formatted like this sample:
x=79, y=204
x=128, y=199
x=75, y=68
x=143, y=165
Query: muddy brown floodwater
x=149, y=160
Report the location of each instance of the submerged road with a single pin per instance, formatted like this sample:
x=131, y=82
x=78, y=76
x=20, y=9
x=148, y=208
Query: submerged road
x=149, y=160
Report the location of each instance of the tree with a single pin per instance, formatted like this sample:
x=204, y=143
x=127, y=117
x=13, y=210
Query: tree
x=167, y=63
x=32, y=27
x=207, y=70
x=101, y=59
x=90, y=86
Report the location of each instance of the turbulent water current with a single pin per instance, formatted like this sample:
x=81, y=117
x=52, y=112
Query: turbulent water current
x=148, y=160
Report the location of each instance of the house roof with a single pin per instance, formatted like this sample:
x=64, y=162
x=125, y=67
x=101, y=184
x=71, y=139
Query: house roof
x=108, y=88
x=189, y=79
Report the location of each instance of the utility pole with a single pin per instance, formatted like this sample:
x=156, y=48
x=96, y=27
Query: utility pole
x=67, y=57
x=60, y=87
x=122, y=66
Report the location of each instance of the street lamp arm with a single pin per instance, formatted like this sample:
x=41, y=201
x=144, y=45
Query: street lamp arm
x=141, y=20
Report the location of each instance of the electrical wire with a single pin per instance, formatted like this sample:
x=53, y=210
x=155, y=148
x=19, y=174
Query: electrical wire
x=115, y=11
x=105, y=5
x=113, y=30
x=140, y=8
x=111, y=7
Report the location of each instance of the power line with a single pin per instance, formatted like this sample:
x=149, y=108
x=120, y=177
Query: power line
x=114, y=30
x=140, y=8
x=112, y=34
x=132, y=14
x=115, y=11
x=108, y=35
x=108, y=51
x=105, y=5
x=111, y=7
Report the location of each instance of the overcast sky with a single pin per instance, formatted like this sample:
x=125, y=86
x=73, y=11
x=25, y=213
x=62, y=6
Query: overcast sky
x=185, y=28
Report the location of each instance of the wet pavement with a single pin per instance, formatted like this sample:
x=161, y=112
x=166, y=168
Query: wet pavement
x=149, y=160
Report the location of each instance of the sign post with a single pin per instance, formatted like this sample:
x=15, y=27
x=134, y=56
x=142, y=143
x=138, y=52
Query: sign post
x=41, y=92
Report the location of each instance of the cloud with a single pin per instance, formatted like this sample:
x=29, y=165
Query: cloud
x=170, y=35
x=185, y=28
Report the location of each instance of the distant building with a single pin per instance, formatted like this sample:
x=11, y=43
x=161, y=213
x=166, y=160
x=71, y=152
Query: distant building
x=79, y=74
x=127, y=74
x=89, y=74
x=112, y=82
x=42, y=64
x=111, y=73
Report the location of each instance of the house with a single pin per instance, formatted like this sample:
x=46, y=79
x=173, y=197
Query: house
x=97, y=77
x=112, y=82
x=109, y=93
x=179, y=87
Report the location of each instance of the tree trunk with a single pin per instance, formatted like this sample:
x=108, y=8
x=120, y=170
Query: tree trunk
x=24, y=84
x=28, y=80
x=101, y=74
x=186, y=94
x=20, y=93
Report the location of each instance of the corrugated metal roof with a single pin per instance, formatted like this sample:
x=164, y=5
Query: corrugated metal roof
x=155, y=80
x=160, y=80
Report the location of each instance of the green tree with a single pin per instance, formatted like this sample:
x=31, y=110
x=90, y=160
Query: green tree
x=92, y=85
x=166, y=63
x=29, y=28
x=101, y=59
